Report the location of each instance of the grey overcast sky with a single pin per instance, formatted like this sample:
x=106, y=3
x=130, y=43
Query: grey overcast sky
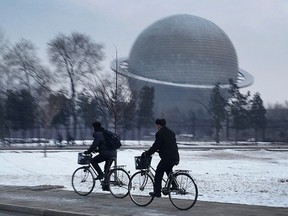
x=257, y=28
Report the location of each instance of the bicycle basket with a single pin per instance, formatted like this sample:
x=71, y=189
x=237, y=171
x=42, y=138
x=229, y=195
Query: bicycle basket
x=142, y=162
x=84, y=158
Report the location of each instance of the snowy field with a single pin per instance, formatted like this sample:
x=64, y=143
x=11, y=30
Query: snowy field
x=255, y=177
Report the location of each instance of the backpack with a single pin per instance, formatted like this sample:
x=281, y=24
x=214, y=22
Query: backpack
x=112, y=140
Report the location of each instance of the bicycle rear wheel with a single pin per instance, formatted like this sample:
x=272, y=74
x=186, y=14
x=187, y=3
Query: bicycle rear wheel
x=118, y=181
x=83, y=181
x=185, y=195
x=139, y=187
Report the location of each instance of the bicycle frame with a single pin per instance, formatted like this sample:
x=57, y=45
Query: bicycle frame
x=169, y=178
x=94, y=172
x=116, y=179
x=90, y=167
x=179, y=186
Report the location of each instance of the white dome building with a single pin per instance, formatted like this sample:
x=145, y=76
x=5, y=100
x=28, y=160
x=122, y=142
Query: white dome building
x=182, y=57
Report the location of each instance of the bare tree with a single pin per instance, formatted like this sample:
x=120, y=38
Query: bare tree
x=76, y=58
x=4, y=75
x=23, y=67
x=114, y=102
x=4, y=44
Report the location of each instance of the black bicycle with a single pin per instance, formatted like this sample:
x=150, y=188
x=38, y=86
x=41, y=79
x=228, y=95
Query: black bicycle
x=179, y=186
x=84, y=180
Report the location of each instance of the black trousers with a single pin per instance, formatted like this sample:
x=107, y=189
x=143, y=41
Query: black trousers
x=163, y=166
x=99, y=159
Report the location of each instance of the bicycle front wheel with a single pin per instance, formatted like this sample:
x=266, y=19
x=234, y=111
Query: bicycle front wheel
x=118, y=181
x=83, y=181
x=184, y=196
x=140, y=185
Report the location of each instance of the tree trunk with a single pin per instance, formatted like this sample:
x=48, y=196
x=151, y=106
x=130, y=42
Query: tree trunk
x=236, y=136
x=217, y=135
x=256, y=135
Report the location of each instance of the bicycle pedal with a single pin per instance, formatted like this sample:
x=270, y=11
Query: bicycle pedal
x=165, y=191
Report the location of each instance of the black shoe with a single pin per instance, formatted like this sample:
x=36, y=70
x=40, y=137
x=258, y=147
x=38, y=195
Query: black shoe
x=100, y=176
x=165, y=191
x=153, y=194
x=105, y=187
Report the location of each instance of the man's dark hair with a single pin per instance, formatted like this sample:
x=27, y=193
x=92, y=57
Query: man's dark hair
x=161, y=122
x=96, y=125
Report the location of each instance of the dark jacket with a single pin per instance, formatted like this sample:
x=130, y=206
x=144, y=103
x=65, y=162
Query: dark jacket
x=165, y=144
x=99, y=145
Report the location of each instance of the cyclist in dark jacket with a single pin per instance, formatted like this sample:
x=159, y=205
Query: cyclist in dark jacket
x=165, y=144
x=98, y=145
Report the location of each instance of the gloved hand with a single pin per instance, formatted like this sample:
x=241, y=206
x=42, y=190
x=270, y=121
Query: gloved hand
x=143, y=155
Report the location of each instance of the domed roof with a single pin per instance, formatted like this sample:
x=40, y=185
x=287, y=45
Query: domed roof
x=184, y=49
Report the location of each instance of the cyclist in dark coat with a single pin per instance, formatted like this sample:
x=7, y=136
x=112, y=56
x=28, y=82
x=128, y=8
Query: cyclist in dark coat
x=165, y=144
x=98, y=145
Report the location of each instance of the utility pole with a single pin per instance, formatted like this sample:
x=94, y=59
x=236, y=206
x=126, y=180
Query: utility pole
x=116, y=100
x=116, y=94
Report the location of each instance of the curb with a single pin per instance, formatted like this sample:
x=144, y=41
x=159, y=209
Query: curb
x=39, y=211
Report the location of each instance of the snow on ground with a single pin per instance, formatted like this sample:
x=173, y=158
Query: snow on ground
x=255, y=177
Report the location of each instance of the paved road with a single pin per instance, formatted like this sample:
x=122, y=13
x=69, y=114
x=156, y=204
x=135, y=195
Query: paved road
x=53, y=201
